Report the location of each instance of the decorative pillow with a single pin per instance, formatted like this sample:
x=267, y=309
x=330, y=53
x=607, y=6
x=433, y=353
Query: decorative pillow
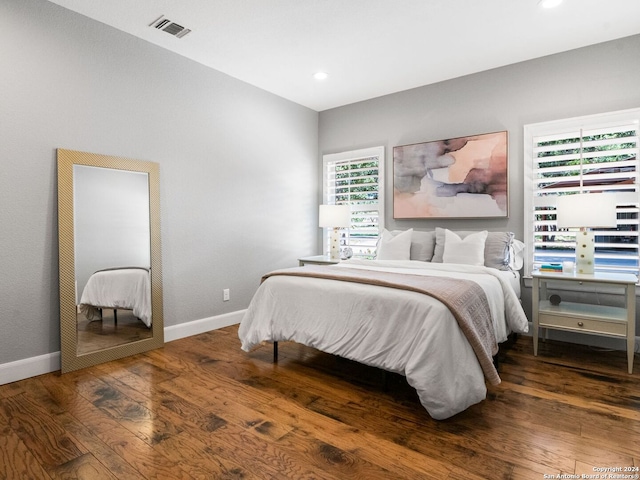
x=468, y=250
x=516, y=257
x=497, y=249
x=422, y=244
x=396, y=247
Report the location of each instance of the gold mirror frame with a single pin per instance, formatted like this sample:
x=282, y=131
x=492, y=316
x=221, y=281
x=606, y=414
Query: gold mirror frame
x=70, y=360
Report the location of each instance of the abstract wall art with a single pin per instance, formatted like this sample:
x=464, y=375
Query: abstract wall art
x=464, y=177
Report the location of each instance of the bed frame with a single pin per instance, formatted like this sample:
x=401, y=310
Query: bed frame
x=512, y=338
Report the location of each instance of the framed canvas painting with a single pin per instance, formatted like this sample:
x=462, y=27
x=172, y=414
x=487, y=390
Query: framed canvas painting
x=464, y=177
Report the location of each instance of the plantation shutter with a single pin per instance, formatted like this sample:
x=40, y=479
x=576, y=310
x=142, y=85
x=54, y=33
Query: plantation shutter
x=590, y=160
x=356, y=179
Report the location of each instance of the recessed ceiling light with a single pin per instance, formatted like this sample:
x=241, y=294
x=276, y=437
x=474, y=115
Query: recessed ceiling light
x=320, y=75
x=549, y=3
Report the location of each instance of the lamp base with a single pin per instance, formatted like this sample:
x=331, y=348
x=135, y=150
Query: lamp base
x=334, y=244
x=585, y=252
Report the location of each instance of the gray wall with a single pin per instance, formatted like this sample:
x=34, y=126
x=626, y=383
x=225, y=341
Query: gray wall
x=590, y=80
x=232, y=157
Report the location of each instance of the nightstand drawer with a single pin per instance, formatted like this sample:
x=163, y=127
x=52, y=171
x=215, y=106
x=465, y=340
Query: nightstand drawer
x=546, y=320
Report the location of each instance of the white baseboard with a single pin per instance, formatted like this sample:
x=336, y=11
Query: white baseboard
x=31, y=367
x=176, y=332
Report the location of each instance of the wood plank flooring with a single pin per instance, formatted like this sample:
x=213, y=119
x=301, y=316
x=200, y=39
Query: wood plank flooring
x=106, y=333
x=202, y=408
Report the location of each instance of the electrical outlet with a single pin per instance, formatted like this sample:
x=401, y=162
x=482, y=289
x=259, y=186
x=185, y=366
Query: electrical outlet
x=225, y=295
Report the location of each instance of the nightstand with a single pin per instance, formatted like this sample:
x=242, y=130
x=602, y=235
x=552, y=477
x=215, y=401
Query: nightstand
x=317, y=260
x=604, y=320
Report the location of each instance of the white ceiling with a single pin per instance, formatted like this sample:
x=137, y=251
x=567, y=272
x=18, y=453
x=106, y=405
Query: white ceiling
x=369, y=48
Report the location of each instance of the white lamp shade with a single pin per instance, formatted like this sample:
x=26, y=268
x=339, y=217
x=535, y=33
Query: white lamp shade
x=335, y=216
x=586, y=210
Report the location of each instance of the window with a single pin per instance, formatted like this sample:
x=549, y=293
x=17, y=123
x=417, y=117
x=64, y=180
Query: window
x=356, y=179
x=598, y=153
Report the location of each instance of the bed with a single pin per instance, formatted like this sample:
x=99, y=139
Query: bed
x=419, y=309
x=125, y=288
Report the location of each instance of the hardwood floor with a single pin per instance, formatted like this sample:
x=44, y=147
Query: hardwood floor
x=105, y=333
x=202, y=408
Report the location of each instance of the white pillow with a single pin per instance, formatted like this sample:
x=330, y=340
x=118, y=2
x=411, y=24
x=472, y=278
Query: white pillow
x=394, y=247
x=516, y=255
x=468, y=250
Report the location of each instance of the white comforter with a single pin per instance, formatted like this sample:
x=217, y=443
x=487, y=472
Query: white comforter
x=400, y=331
x=125, y=288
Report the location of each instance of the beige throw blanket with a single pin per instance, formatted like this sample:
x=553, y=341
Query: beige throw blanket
x=465, y=299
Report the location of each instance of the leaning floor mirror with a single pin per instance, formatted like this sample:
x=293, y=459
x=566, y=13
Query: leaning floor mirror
x=110, y=258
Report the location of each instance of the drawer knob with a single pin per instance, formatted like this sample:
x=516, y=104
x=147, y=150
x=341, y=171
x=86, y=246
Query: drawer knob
x=580, y=324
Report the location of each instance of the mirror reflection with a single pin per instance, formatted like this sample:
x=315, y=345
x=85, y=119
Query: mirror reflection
x=112, y=256
x=110, y=267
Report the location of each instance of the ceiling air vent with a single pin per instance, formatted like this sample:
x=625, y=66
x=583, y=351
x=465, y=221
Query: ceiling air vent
x=172, y=28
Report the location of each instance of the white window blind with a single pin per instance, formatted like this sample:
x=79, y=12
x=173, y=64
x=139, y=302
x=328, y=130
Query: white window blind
x=356, y=179
x=598, y=154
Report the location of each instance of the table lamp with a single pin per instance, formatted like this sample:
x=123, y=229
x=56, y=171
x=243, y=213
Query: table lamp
x=335, y=217
x=585, y=211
